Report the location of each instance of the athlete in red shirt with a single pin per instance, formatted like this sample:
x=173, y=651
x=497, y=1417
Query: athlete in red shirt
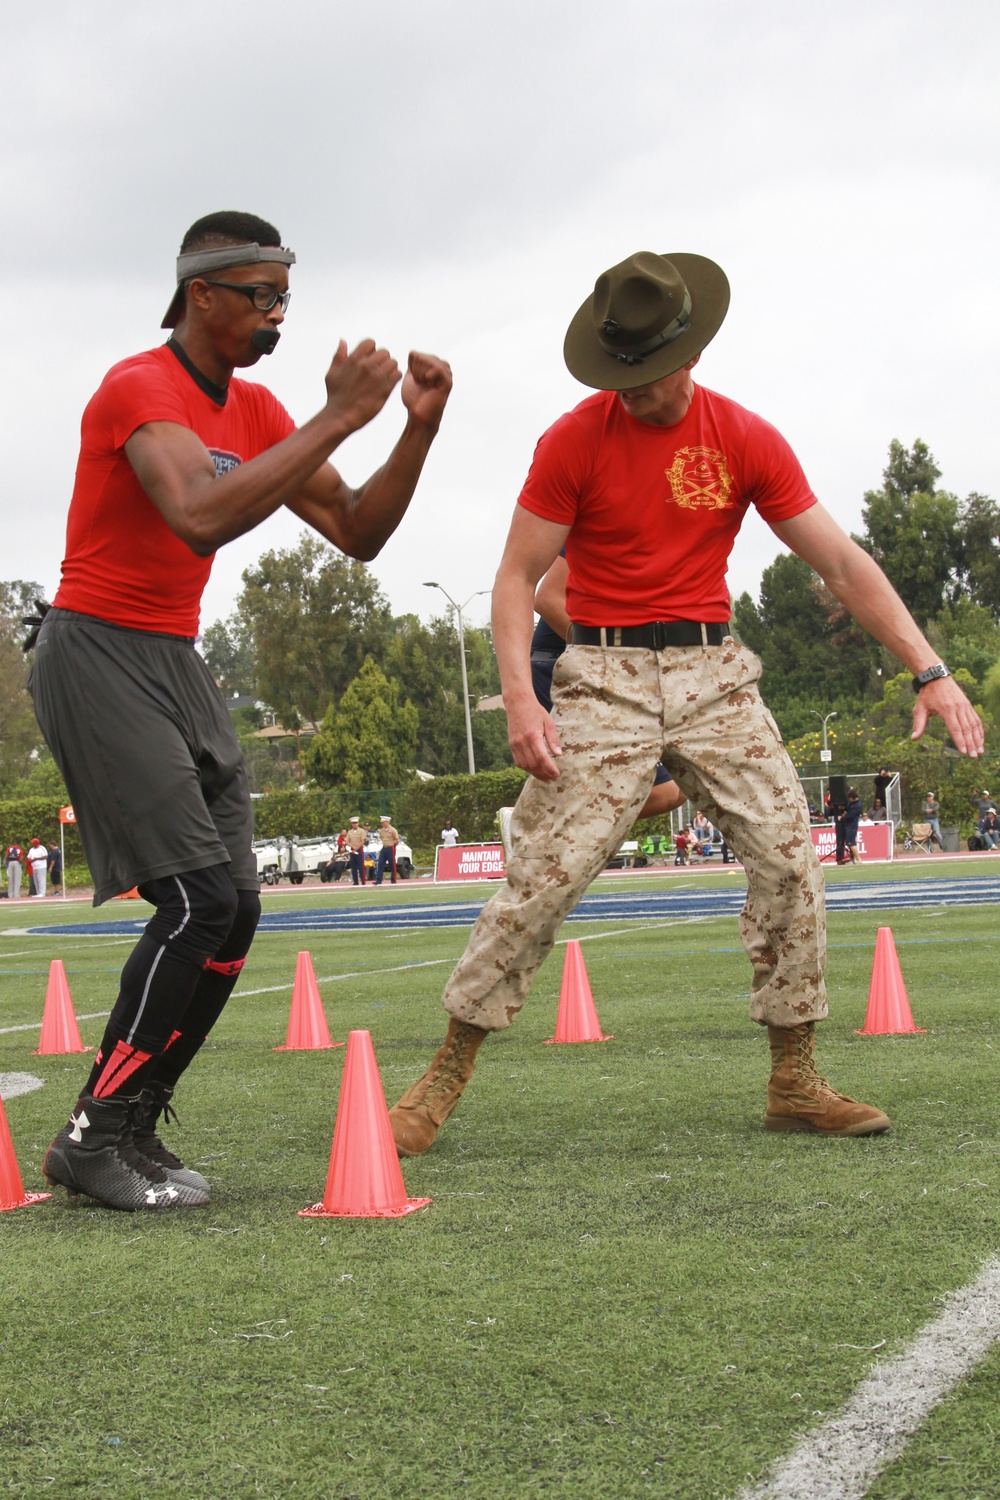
x=177, y=458
x=645, y=485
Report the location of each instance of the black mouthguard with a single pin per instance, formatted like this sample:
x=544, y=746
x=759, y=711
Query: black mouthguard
x=265, y=339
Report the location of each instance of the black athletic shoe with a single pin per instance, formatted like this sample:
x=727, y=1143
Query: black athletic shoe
x=94, y=1154
x=151, y=1103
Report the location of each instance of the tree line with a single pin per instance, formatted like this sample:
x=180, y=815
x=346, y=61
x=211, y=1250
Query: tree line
x=942, y=555
x=314, y=640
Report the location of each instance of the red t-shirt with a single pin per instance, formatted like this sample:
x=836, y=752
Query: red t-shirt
x=654, y=511
x=123, y=563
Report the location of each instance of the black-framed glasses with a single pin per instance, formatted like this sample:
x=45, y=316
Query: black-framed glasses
x=262, y=296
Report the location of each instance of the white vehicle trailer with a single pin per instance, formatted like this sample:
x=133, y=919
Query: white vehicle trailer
x=268, y=853
x=302, y=857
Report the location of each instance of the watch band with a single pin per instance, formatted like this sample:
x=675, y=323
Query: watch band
x=932, y=674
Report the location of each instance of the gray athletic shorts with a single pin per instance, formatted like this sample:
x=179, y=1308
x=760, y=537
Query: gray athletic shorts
x=146, y=747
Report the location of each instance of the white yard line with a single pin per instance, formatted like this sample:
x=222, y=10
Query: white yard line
x=276, y=989
x=839, y=1459
x=109, y=943
x=95, y=1015
x=429, y=963
x=595, y=937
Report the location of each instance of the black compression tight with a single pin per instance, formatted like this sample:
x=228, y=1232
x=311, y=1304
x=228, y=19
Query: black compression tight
x=195, y=914
x=215, y=986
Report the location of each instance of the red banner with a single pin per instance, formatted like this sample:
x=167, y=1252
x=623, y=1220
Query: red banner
x=67, y=815
x=469, y=862
x=875, y=840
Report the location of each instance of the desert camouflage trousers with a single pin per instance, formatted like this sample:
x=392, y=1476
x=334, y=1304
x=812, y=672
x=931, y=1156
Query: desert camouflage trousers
x=618, y=711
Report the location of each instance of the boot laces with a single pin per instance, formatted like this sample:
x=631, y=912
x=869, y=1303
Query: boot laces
x=806, y=1067
x=147, y=1111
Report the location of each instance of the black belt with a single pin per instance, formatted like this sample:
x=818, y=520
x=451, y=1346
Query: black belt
x=656, y=636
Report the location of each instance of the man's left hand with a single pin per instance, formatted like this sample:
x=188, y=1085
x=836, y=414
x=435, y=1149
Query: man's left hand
x=945, y=698
x=426, y=388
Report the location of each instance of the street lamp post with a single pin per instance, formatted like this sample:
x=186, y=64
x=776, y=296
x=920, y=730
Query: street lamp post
x=458, y=608
x=825, y=754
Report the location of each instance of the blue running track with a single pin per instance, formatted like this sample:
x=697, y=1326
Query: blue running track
x=658, y=906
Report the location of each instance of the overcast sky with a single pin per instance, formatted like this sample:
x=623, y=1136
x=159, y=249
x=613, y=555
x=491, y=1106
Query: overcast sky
x=454, y=176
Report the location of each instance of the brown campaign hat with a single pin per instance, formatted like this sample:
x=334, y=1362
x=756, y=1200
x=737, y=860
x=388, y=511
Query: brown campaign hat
x=647, y=317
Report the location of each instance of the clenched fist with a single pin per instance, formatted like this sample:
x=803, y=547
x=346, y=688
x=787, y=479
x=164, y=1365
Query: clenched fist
x=359, y=384
x=426, y=388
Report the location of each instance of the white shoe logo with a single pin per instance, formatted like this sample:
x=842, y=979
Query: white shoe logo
x=79, y=1123
x=153, y=1197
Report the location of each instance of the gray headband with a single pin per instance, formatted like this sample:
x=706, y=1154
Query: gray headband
x=196, y=261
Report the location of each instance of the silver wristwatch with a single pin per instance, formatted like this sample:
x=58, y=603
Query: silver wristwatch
x=932, y=674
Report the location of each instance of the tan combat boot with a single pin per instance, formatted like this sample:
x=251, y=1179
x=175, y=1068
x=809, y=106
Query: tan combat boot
x=425, y=1106
x=799, y=1099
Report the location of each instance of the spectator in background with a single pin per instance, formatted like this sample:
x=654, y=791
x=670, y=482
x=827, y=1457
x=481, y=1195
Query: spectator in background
x=882, y=781
x=847, y=829
x=55, y=865
x=356, y=851
x=983, y=803
x=449, y=835
x=704, y=833
x=683, y=843
x=989, y=830
x=15, y=869
x=38, y=864
x=931, y=813
x=877, y=814
x=387, y=853
x=342, y=841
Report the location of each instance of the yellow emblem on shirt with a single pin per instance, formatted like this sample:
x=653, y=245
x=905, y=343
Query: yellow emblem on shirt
x=700, y=479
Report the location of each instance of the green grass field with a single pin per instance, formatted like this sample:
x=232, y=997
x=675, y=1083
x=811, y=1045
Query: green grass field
x=623, y=1286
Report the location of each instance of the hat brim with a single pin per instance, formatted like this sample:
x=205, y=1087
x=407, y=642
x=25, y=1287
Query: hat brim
x=172, y=316
x=585, y=359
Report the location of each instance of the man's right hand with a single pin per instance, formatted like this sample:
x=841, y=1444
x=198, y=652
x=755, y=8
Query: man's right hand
x=533, y=739
x=359, y=384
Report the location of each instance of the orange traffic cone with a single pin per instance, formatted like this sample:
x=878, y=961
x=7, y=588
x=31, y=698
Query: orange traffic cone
x=577, y=1019
x=12, y=1194
x=307, y=1028
x=60, y=1033
x=365, y=1180
x=888, y=1007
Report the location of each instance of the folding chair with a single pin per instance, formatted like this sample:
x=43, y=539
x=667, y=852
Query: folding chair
x=921, y=836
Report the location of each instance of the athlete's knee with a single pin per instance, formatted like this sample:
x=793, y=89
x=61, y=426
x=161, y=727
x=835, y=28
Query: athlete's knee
x=241, y=932
x=195, y=911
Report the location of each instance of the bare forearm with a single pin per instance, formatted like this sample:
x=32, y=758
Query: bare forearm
x=363, y=524
x=513, y=621
x=248, y=495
